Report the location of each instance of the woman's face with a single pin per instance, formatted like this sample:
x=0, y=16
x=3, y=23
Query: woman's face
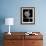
x=26, y=13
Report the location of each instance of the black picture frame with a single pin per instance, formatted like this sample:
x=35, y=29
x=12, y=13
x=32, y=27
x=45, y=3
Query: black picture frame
x=27, y=15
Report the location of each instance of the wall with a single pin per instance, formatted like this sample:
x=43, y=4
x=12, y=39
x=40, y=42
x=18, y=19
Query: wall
x=12, y=8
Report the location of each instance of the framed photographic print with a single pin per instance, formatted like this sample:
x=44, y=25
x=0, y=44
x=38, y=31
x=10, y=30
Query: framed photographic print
x=27, y=15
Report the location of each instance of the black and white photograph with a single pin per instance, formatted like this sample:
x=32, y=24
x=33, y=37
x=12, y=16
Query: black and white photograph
x=28, y=15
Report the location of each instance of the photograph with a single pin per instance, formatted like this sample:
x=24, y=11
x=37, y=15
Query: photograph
x=28, y=15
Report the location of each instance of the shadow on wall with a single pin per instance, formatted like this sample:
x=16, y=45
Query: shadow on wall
x=2, y=21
